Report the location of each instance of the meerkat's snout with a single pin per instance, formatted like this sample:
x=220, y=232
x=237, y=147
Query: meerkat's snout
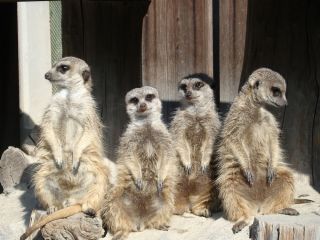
x=142, y=107
x=48, y=76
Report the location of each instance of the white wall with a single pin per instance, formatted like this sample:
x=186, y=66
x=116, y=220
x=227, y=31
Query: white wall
x=34, y=60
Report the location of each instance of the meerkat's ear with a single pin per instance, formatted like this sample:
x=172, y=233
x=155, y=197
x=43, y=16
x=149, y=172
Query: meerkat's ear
x=254, y=82
x=86, y=75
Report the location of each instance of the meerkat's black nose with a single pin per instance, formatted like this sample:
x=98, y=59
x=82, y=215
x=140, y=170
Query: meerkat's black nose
x=47, y=76
x=142, y=107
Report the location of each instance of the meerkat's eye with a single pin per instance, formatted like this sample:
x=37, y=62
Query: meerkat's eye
x=134, y=100
x=198, y=85
x=276, y=91
x=63, y=68
x=183, y=87
x=150, y=97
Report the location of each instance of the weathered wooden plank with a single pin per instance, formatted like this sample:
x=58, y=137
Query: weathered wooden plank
x=176, y=42
x=233, y=17
x=277, y=38
x=282, y=227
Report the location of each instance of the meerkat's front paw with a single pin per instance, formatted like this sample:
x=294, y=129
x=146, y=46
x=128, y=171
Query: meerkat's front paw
x=57, y=155
x=51, y=209
x=75, y=165
x=271, y=175
x=139, y=184
x=187, y=168
x=249, y=176
x=204, y=168
x=159, y=185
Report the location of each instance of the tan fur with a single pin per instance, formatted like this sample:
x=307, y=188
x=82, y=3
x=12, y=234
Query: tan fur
x=194, y=130
x=252, y=177
x=143, y=195
x=71, y=168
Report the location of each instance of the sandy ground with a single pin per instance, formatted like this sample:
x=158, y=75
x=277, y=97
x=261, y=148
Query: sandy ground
x=15, y=209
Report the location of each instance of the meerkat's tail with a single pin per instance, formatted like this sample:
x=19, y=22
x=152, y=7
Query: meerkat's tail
x=302, y=200
x=63, y=213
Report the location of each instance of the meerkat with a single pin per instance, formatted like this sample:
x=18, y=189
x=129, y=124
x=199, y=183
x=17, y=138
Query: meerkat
x=194, y=130
x=143, y=195
x=72, y=175
x=252, y=176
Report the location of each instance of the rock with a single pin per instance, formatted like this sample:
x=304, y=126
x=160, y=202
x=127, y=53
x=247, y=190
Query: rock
x=76, y=227
x=15, y=210
x=15, y=167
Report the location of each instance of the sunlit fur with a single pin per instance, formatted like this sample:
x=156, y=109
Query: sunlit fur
x=143, y=195
x=252, y=176
x=70, y=152
x=194, y=130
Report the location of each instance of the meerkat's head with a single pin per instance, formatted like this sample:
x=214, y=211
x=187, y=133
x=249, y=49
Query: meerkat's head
x=268, y=87
x=194, y=89
x=70, y=72
x=143, y=102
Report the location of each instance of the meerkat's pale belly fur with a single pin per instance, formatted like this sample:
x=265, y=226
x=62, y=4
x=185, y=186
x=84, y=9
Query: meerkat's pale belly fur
x=145, y=153
x=194, y=138
x=74, y=122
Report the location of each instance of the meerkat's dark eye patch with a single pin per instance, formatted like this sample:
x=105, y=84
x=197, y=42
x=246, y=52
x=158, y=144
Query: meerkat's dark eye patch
x=63, y=68
x=198, y=85
x=183, y=87
x=150, y=97
x=257, y=84
x=134, y=100
x=276, y=91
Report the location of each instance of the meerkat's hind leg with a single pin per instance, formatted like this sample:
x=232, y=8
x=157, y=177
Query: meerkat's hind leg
x=120, y=235
x=289, y=211
x=242, y=223
x=51, y=209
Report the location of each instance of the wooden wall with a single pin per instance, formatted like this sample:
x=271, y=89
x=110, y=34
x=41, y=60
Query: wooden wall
x=285, y=36
x=107, y=34
x=232, y=35
x=177, y=41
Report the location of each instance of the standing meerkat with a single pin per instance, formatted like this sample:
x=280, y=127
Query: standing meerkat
x=72, y=175
x=252, y=177
x=194, y=129
x=143, y=195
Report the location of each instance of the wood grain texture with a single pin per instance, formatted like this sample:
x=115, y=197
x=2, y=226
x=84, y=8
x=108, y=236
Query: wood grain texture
x=233, y=19
x=109, y=39
x=176, y=42
x=282, y=227
x=278, y=37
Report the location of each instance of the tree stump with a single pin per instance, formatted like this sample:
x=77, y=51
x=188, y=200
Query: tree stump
x=283, y=227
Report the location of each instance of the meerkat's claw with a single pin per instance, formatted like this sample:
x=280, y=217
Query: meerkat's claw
x=271, y=175
x=163, y=227
x=75, y=166
x=249, y=176
x=204, y=169
x=139, y=183
x=187, y=169
x=160, y=186
x=59, y=163
x=51, y=209
x=238, y=226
